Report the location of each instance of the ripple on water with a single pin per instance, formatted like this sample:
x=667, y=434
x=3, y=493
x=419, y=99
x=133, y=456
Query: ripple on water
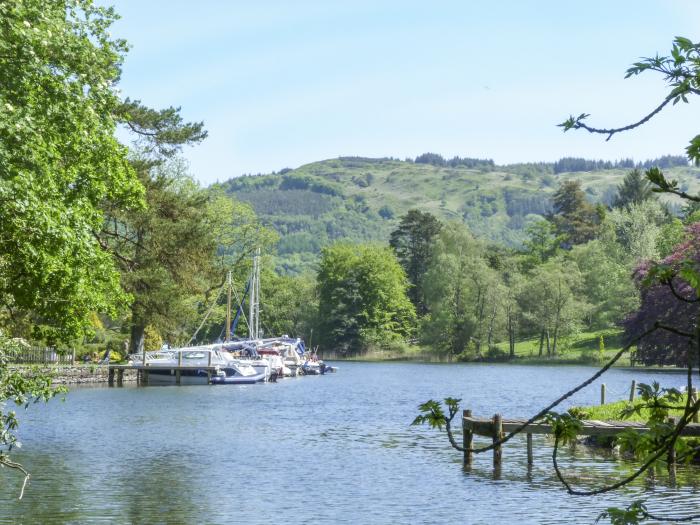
x=332, y=449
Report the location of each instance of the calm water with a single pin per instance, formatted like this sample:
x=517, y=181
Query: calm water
x=327, y=449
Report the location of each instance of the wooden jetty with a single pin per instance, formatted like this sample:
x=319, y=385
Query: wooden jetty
x=142, y=372
x=497, y=427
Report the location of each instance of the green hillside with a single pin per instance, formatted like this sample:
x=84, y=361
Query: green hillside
x=362, y=199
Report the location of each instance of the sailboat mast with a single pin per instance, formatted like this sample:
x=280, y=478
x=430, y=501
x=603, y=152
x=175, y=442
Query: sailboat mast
x=257, y=293
x=251, y=304
x=228, y=307
x=254, y=306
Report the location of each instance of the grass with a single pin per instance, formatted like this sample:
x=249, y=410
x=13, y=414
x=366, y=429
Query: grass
x=613, y=411
x=575, y=349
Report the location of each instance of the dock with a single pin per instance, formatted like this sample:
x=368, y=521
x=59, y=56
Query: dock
x=496, y=428
x=142, y=372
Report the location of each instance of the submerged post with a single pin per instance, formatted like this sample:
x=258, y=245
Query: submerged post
x=110, y=376
x=497, y=435
x=467, y=438
x=529, y=449
x=633, y=390
x=672, y=449
x=602, y=393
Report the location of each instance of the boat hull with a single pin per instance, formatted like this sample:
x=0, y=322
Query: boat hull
x=238, y=379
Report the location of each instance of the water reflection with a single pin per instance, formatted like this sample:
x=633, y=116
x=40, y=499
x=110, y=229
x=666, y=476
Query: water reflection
x=315, y=450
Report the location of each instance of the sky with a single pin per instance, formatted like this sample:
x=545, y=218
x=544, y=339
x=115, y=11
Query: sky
x=284, y=83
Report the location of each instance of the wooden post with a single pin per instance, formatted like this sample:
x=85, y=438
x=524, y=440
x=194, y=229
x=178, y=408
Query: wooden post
x=633, y=390
x=467, y=438
x=529, y=449
x=694, y=394
x=497, y=434
x=602, y=393
x=178, y=370
x=110, y=377
x=120, y=377
x=209, y=369
x=672, y=450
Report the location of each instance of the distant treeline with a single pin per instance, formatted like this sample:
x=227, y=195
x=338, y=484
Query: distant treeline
x=569, y=164
x=438, y=160
x=563, y=165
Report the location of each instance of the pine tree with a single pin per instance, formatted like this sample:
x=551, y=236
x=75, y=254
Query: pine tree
x=635, y=188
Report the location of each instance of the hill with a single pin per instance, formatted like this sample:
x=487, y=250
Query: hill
x=362, y=199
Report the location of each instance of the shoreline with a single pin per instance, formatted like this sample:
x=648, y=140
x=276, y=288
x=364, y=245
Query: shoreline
x=78, y=374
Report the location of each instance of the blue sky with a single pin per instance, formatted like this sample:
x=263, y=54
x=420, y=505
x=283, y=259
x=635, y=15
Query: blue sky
x=283, y=83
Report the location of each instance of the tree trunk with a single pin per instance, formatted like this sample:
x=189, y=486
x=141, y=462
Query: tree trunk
x=541, y=342
x=511, y=335
x=136, y=341
x=492, y=321
x=549, y=348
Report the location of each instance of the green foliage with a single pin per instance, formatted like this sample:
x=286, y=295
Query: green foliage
x=289, y=305
x=542, y=242
x=362, y=298
x=413, y=241
x=433, y=413
x=633, y=514
x=177, y=247
x=566, y=427
x=59, y=160
x=574, y=217
x=152, y=340
x=634, y=189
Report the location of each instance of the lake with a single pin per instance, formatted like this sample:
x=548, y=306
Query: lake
x=323, y=449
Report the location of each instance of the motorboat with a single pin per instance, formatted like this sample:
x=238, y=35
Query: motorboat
x=196, y=365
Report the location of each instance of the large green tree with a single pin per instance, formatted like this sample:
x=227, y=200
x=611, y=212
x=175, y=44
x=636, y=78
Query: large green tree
x=412, y=241
x=59, y=161
x=362, y=298
x=576, y=219
x=177, y=247
x=634, y=189
x=464, y=294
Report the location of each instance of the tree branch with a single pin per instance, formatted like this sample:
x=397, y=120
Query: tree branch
x=578, y=124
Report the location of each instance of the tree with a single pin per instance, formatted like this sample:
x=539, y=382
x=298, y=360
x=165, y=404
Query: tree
x=178, y=246
x=289, y=305
x=668, y=297
x=412, y=241
x=542, y=242
x=463, y=295
x=634, y=189
x=59, y=161
x=549, y=302
x=362, y=298
x=637, y=229
x=576, y=219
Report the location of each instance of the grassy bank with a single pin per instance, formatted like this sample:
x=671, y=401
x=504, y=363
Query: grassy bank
x=613, y=411
x=582, y=348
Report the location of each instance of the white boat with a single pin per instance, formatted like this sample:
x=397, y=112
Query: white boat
x=197, y=365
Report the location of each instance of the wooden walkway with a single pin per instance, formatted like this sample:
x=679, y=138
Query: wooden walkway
x=143, y=372
x=497, y=427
